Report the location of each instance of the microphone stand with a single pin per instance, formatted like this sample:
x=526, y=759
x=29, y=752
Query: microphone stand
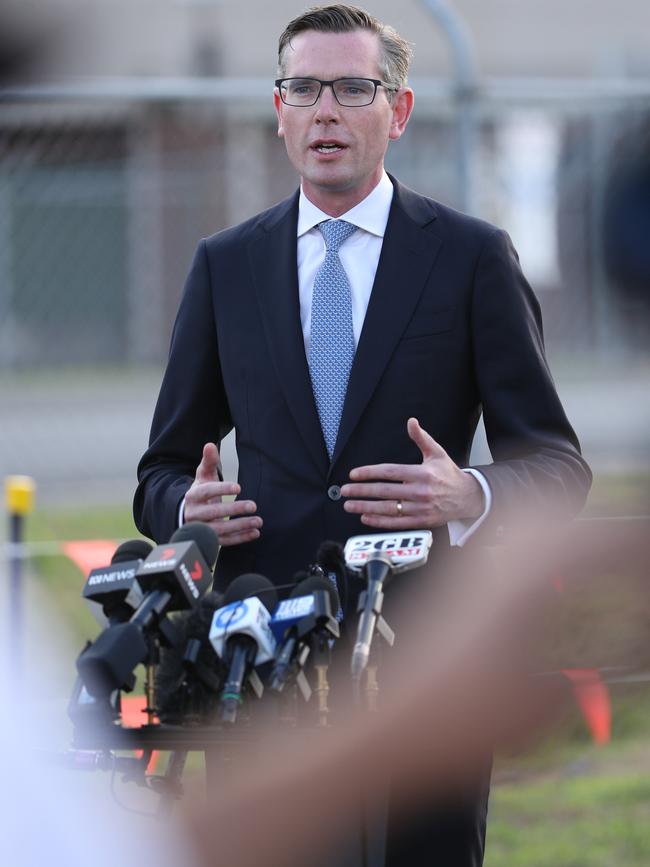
x=153, y=658
x=372, y=689
x=170, y=787
x=322, y=691
x=374, y=797
x=288, y=706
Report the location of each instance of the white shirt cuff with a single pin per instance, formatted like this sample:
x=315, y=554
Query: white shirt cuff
x=461, y=532
x=181, y=513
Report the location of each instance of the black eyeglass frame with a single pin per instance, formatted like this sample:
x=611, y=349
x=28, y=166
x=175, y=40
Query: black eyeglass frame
x=376, y=81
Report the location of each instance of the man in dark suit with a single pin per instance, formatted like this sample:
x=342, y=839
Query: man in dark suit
x=357, y=410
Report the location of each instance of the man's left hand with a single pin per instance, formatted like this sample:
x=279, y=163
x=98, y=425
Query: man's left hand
x=403, y=496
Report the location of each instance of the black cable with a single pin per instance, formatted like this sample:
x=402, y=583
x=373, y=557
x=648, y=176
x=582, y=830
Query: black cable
x=146, y=813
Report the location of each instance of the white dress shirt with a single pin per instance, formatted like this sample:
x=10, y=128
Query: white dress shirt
x=359, y=256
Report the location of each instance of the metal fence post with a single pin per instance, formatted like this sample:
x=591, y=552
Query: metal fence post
x=465, y=90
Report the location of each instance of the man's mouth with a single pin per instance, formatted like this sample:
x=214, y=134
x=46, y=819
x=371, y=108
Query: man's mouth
x=327, y=147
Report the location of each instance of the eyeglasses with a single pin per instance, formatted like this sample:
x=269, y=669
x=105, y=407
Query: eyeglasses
x=350, y=92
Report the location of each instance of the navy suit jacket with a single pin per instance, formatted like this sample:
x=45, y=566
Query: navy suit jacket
x=452, y=329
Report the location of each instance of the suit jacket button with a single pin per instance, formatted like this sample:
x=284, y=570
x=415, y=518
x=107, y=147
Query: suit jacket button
x=334, y=492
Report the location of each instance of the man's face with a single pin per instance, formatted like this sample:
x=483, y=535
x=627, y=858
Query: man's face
x=339, y=177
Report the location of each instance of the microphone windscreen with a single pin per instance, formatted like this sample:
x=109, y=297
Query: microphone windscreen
x=249, y=585
x=298, y=578
x=314, y=583
x=133, y=549
x=199, y=619
x=204, y=536
x=184, y=696
x=331, y=558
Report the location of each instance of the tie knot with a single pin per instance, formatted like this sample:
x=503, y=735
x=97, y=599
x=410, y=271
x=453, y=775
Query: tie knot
x=335, y=232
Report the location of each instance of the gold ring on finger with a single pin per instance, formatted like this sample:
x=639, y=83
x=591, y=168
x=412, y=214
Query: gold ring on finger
x=399, y=507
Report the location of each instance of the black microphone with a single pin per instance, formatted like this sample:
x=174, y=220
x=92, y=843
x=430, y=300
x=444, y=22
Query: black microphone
x=305, y=617
x=330, y=559
x=133, y=549
x=241, y=637
x=176, y=575
x=173, y=577
x=112, y=592
x=190, y=676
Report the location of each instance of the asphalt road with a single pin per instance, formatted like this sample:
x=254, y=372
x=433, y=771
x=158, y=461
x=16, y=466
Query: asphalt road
x=81, y=434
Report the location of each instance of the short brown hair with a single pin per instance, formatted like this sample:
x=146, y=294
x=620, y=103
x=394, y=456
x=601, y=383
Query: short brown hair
x=396, y=53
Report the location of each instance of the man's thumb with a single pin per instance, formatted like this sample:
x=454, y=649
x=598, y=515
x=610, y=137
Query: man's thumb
x=210, y=467
x=424, y=441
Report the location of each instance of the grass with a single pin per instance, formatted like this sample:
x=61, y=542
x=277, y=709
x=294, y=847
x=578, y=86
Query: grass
x=566, y=802
x=592, y=812
x=57, y=575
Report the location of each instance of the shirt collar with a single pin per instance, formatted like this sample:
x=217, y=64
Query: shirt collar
x=371, y=214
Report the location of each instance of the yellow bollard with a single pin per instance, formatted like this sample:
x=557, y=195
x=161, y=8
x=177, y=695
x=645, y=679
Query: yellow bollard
x=19, y=495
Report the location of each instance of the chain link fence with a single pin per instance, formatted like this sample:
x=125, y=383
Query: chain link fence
x=104, y=194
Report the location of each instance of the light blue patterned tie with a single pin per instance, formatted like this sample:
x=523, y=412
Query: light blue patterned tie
x=331, y=350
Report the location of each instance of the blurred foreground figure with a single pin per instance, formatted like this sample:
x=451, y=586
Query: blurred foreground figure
x=50, y=814
x=466, y=678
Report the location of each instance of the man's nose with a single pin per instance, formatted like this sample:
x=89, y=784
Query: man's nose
x=327, y=108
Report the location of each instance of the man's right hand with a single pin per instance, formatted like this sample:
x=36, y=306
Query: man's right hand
x=233, y=521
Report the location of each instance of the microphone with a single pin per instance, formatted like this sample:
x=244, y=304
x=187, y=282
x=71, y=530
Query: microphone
x=112, y=595
x=173, y=578
x=378, y=556
x=331, y=563
x=89, y=713
x=112, y=592
x=176, y=575
x=304, y=617
x=190, y=675
x=241, y=637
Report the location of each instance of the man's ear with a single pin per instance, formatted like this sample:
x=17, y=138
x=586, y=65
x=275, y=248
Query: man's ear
x=277, y=102
x=402, y=108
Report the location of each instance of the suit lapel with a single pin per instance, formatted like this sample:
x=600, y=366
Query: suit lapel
x=273, y=261
x=407, y=257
